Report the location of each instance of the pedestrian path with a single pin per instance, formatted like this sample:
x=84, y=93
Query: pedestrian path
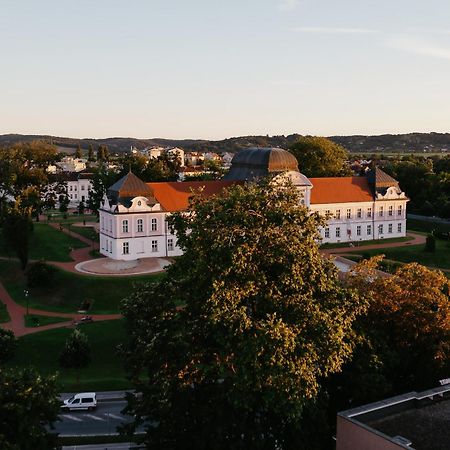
x=417, y=239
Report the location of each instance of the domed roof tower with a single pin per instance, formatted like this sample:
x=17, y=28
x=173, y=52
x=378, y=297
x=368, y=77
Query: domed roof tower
x=256, y=162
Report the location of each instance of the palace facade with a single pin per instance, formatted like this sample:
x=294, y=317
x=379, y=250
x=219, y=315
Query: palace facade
x=133, y=214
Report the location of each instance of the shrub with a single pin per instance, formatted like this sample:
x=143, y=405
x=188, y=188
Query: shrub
x=40, y=274
x=430, y=245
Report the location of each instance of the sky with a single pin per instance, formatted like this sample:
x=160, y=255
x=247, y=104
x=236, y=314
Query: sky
x=213, y=69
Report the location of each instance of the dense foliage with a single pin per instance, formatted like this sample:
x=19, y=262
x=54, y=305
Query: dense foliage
x=264, y=319
x=8, y=345
x=29, y=404
x=320, y=157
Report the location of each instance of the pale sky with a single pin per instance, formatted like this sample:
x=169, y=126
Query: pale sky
x=220, y=68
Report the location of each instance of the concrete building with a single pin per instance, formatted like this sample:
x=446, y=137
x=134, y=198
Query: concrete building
x=412, y=421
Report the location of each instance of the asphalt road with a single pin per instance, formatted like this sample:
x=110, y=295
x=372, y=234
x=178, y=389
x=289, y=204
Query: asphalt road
x=103, y=421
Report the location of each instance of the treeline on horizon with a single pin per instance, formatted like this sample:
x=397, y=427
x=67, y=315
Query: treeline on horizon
x=386, y=143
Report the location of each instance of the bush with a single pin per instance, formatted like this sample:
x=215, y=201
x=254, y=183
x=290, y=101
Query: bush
x=430, y=245
x=40, y=274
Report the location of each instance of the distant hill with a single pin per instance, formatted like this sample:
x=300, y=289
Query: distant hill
x=386, y=143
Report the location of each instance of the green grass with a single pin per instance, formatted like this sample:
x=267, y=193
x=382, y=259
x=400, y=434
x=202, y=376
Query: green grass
x=35, y=320
x=416, y=253
x=427, y=227
x=69, y=290
x=371, y=242
x=58, y=217
x=87, y=232
x=41, y=350
x=4, y=315
x=48, y=244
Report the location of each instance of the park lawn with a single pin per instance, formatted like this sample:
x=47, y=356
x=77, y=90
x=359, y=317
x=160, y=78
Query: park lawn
x=41, y=351
x=58, y=217
x=37, y=320
x=427, y=227
x=415, y=253
x=4, y=315
x=87, y=232
x=69, y=290
x=48, y=244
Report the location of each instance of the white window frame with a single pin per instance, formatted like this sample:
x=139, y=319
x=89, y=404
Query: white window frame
x=170, y=246
x=125, y=248
x=140, y=225
x=125, y=226
x=338, y=232
x=154, y=246
x=154, y=224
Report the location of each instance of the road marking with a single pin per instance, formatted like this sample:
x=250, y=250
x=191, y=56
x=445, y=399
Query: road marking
x=67, y=416
x=114, y=416
x=94, y=417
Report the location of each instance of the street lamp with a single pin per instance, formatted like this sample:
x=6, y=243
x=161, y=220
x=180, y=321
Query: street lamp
x=26, y=292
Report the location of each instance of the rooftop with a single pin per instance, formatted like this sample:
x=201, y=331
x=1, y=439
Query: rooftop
x=340, y=190
x=422, y=419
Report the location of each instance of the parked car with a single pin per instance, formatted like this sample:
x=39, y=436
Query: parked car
x=85, y=400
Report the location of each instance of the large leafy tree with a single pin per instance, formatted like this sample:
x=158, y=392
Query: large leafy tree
x=16, y=232
x=29, y=405
x=76, y=353
x=263, y=318
x=320, y=157
x=403, y=338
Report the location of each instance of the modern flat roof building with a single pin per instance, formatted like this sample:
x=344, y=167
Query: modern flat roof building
x=419, y=421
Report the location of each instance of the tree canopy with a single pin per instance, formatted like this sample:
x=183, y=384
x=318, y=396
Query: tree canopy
x=320, y=157
x=29, y=403
x=263, y=319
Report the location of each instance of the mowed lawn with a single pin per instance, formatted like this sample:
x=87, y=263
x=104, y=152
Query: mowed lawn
x=415, y=253
x=41, y=351
x=47, y=243
x=69, y=290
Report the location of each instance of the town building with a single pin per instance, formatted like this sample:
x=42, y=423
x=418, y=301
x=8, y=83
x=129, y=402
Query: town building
x=410, y=421
x=133, y=213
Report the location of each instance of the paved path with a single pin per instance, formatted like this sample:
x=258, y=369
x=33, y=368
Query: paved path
x=417, y=239
x=17, y=312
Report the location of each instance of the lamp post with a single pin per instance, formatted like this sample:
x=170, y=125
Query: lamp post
x=26, y=292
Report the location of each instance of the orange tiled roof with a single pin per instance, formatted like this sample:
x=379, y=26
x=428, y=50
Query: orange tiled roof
x=340, y=190
x=174, y=196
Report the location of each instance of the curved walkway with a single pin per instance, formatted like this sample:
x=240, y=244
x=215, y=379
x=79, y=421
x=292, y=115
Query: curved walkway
x=17, y=312
x=417, y=239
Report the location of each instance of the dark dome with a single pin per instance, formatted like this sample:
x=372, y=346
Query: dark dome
x=259, y=162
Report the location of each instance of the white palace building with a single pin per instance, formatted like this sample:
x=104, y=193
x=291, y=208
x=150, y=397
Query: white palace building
x=133, y=213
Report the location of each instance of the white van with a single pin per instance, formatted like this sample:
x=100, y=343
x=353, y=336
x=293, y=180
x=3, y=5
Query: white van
x=86, y=400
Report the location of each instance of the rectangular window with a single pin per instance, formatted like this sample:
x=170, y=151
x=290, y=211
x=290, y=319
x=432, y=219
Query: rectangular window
x=380, y=229
x=359, y=213
x=369, y=230
x=82, y=187
x=124, y=226
x=76, y=196
x=327, y=213
x=390, y=228
x=349, y=213
x=327, y=233
x=391, y=211
x=70, y=188
x=154, y=225
x=154, y=246
x=381, y=212
x=75, y=188
x=170, y=245
x=358, y=230
x=369, y=212
x=110, y=225
x=399, y=210
x=399, y=227
x=140, y=225
x=338, y=232
x=338, y=214
x=110, y=246
x=125, y=248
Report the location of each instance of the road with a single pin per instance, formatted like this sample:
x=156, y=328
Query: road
x=103, y=421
